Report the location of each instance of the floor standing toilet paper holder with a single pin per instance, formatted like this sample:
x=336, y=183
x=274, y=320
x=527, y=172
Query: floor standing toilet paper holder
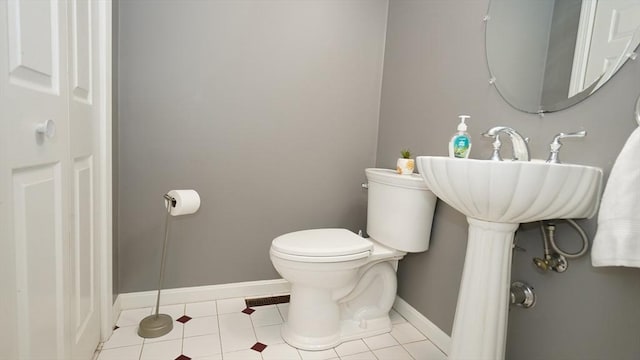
x=156, y=325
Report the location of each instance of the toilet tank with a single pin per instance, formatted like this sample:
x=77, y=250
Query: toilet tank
x=400, y=210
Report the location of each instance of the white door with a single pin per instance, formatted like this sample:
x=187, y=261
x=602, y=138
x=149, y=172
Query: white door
x=47, y=182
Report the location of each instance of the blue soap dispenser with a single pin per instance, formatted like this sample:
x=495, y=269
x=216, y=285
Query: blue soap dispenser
x=460, y=144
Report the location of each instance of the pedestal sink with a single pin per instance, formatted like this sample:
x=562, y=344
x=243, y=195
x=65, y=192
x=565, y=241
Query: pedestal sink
x=496, y=196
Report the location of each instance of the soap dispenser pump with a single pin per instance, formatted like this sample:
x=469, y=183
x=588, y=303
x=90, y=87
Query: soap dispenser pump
x=460, y=144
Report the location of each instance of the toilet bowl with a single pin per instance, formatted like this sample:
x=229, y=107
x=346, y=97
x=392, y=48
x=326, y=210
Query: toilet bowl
x=343, y=285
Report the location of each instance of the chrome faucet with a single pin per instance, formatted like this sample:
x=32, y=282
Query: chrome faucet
x=519, y=143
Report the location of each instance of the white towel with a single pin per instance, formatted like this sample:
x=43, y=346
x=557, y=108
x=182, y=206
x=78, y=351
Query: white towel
x=617, y=241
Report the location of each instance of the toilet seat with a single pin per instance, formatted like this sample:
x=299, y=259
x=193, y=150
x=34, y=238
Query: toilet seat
x=321, y=245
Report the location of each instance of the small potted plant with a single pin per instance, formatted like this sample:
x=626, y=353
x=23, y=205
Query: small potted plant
x=405, y=164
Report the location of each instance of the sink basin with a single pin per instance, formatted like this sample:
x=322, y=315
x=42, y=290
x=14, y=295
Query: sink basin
x=513, y=191
x=496, y=196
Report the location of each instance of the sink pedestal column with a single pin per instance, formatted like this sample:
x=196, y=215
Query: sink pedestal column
x=480, y=323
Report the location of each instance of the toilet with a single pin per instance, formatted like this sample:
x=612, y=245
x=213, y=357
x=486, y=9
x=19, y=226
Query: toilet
x=343, y=285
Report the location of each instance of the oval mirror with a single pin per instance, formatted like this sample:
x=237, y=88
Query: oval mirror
x=547, y=55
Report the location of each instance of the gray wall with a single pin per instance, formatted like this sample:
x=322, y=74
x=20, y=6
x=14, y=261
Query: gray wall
x=269, y=109
x=271, y=113
x=435, y=69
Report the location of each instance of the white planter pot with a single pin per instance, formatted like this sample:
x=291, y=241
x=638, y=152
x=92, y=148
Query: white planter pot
x=405, y=166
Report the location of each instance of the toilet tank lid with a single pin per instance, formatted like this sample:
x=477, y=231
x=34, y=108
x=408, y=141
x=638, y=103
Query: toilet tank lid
x=391, y=177
x=321, y=242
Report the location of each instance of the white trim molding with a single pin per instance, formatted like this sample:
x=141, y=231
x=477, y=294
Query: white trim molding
x=105, y=192
x=203, y=293
x=438, y=337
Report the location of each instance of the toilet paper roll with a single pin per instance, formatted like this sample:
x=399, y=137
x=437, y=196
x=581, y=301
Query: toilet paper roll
x=187, y=202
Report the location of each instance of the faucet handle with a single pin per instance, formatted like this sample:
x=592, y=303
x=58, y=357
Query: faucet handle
x=497, y=144
x=556, y=144
x=495, y=156
x=581, y=133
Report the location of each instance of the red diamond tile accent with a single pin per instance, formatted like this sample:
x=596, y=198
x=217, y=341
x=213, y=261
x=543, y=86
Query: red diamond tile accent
x=258, y=347
x=183, y=357
x=183, y=319
x=248, y=311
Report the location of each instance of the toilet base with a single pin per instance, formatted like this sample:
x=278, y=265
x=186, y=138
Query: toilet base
x=349, y=330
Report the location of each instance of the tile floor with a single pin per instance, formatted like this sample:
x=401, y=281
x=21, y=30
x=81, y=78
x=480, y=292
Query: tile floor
x=216, y=330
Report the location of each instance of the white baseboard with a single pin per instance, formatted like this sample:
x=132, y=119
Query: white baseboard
x=202, y=293
x=438, y=337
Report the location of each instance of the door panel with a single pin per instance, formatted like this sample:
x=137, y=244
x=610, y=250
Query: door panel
x=31, y=87
x=80, y=46
x=84, y=299
x=40, y=267
x=83, y=122
x=34, y=180
x=34, y=44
